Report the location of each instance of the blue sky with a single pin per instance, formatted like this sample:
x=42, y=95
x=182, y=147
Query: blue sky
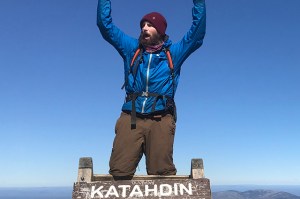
x=238, y=98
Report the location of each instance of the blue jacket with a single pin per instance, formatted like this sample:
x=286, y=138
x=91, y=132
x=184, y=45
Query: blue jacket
x=153, y=74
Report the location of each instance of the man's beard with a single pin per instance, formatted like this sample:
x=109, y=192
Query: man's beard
x=154, y=40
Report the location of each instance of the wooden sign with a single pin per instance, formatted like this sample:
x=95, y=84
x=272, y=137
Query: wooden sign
x=90, y=186
x=155, y=188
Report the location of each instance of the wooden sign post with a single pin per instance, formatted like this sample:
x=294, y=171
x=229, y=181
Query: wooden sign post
x=89, y=186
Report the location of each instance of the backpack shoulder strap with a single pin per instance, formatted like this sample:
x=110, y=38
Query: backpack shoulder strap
x=135, y=56
x=167, y=50
x=139, y=51
x=171, y=66
x=133, y=64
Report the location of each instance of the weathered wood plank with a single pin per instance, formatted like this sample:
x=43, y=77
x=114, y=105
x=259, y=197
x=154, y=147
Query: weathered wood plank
x=151, y=188
x=90, y=186
x=101, y=177
x=85, y=170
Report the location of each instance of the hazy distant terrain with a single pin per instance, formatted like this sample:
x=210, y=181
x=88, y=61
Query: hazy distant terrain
x=292, y=189
x=253, y=194
x=36, y=193
x=218, y=192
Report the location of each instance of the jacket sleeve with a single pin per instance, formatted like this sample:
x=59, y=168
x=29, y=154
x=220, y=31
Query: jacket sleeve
x=111, y=33
x=193, y=39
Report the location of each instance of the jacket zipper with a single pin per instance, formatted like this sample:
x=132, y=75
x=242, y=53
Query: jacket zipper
x=147, y=82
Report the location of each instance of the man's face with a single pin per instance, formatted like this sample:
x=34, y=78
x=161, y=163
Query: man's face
x=149, y=35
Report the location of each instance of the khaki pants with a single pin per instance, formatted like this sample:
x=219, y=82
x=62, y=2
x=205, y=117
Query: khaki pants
x=152, y=137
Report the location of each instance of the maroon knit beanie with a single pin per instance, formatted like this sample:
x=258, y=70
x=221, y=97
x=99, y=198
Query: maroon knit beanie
x=157, y=20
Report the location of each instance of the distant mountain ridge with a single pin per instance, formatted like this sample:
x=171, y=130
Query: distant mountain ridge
x=66, y=193
x=253, y=194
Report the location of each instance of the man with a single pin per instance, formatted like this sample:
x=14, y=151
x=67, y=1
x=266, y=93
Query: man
x=152, y=67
